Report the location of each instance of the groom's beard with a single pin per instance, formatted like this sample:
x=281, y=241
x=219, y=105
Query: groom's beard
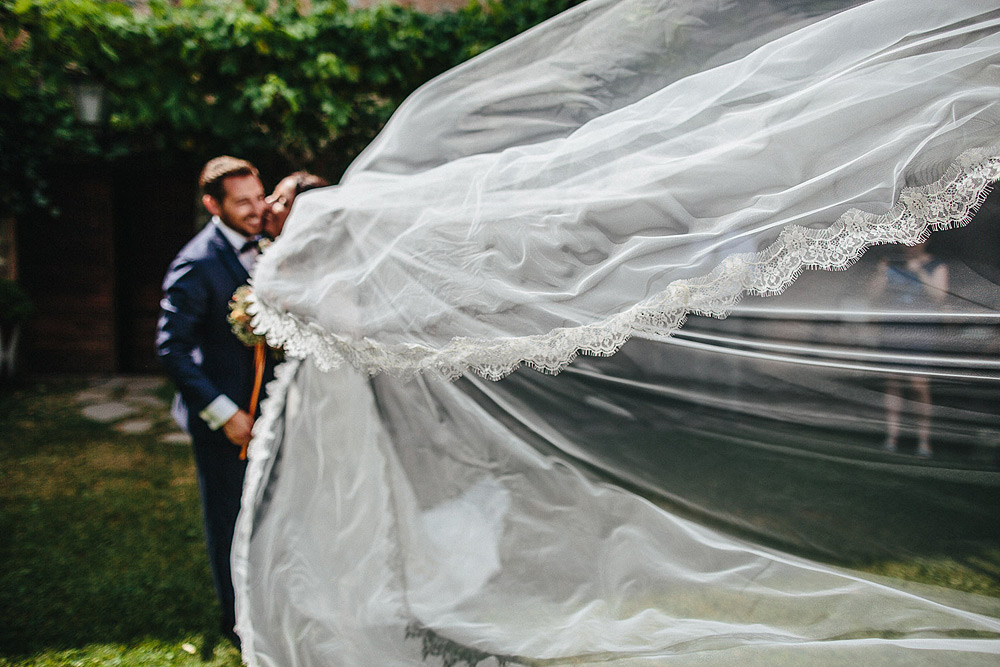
x=248, y=225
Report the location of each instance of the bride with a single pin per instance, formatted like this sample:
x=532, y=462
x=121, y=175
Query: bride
x=598, y=179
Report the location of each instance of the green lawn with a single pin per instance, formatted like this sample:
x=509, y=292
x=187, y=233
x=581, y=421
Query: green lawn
x=825, y=493
x=102, y=560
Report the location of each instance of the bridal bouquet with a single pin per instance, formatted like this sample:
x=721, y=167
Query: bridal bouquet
x=240, y=320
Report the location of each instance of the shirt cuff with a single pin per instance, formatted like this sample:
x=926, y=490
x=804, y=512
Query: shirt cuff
x=218, y=412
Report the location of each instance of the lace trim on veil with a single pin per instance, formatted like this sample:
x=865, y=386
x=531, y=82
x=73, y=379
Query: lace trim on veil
x=950, y=202
x=451, y=653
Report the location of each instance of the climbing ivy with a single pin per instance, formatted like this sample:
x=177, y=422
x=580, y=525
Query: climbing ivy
x=202, y=77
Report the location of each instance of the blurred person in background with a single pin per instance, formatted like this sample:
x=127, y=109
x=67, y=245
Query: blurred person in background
x=915, y=278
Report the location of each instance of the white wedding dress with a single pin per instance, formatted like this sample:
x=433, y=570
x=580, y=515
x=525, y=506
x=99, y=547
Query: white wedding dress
x=602, y=177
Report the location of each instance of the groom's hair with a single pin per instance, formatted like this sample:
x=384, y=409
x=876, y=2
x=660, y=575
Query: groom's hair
x=219, y=169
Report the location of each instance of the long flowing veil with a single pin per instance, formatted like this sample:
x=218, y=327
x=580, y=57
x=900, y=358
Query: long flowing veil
x=759, y=489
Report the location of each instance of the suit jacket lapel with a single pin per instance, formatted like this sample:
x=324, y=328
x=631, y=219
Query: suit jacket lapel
x=229, y=258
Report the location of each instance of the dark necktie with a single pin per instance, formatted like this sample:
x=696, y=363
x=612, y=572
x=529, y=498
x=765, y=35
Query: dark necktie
x=253, y=243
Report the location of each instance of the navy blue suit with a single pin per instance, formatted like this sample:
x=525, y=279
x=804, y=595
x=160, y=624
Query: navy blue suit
x=205, y=359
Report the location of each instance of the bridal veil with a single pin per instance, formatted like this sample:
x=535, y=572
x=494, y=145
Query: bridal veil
x=682, y=495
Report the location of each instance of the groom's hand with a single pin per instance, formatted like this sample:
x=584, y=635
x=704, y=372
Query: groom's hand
x=237, y=429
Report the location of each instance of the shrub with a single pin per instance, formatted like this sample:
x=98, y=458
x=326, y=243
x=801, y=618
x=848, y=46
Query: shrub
x=210, y=76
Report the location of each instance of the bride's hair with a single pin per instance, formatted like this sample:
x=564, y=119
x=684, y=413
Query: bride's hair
x=304, y=181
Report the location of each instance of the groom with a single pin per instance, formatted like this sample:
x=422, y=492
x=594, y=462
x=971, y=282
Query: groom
x=212, y=369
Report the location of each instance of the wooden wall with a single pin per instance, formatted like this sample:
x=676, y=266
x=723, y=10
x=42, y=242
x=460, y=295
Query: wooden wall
x=155, y=209
x=94, y=271
x=67, y=267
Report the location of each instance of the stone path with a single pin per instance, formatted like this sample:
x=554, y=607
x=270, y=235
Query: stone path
x=134, y=404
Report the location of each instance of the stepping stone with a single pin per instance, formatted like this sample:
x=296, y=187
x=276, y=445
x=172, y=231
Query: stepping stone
x=177, y=438
x=93, y=395
x=108, y=412
x=142, y=385
x=135, y=426
x=150, y=401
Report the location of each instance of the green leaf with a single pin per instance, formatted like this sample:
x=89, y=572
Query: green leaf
x=205, y=76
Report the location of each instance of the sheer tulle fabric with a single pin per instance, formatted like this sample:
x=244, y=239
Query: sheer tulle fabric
x=606, y=175
x=794, y=155
x=395, y=519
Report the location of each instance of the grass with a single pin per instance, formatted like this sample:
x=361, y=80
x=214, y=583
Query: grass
x=103, y=559
x=826, y=494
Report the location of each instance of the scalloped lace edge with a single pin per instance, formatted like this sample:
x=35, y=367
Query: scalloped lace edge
x=949, y=202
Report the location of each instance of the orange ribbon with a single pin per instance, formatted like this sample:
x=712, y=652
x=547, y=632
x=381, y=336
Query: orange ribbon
x=259, y=354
